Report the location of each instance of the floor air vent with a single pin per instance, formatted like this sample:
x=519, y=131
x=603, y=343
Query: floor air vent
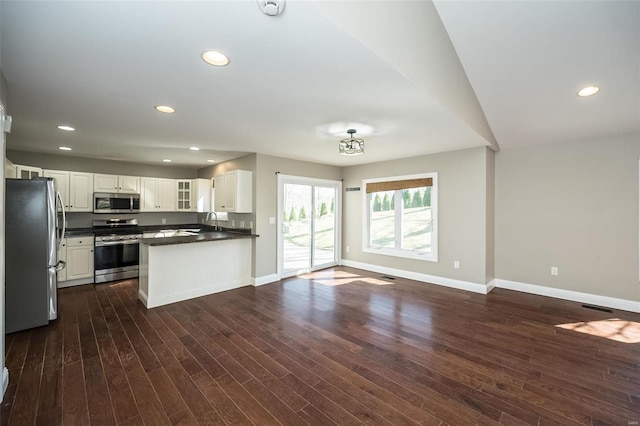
x=387, y=277
x=598, y=308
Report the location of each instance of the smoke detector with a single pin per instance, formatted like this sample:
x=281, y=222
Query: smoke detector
x=271, y=7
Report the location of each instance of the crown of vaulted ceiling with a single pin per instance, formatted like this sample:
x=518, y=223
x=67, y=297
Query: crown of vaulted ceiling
x=420, y=77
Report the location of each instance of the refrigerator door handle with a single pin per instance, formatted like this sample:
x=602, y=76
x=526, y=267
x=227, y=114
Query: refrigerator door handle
x=64, y=222
x=61, y=265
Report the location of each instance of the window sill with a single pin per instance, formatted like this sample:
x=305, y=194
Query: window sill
x=429, y=257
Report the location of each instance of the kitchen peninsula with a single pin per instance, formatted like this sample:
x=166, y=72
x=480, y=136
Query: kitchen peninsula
x=184, y=264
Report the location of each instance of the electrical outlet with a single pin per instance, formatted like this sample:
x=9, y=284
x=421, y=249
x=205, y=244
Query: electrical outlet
x=164, y=221
x=347, y=249
x=242, y=224
x=233, y=223
x=272, y=221
x=456, y=264
x=251, y=224
x=554, y=271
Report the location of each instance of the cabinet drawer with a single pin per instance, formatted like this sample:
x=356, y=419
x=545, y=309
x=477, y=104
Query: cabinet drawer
x=80, y=241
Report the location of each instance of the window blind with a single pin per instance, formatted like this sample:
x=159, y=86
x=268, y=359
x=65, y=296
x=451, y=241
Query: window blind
x=394, y=185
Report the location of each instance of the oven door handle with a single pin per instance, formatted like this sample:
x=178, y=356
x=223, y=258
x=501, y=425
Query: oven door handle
x=116, y=243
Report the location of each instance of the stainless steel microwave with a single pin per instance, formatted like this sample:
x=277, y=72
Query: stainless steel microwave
x=115, y=203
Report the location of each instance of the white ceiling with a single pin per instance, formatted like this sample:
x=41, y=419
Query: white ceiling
x=297, y=79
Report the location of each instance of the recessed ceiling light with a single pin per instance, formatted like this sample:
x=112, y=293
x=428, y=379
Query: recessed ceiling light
x=165, y=108
x=588, y=91
x=216, y=58
x=211, y=161
x=194, y=148
x=65, y=127
x=166, y=160
x=64, y=148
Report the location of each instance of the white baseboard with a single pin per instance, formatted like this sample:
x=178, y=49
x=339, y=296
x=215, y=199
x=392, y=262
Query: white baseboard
x=154, y=302
x=575, y=296
x=431, y=279
x=72, y=283
x=5, y=382
x=265, y=279
x=143, y=297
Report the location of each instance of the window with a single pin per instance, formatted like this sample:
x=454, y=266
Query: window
x=401, y=216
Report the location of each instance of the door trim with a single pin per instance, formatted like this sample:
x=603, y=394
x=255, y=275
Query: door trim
x=282, y=179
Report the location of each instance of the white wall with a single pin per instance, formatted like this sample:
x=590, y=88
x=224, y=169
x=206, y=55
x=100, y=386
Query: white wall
x=571, y=205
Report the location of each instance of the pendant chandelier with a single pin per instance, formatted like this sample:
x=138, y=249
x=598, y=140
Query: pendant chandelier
x=351, y=145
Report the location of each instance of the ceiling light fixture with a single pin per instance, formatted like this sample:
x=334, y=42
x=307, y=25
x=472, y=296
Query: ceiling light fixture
x=211, y=161
x=165, y=108
x=213, y=57
x=64, y=148
x=271, y=7
x=351, y=145
x=166, y=160
x=194, y=148
x=588, y=91
x=65, y=127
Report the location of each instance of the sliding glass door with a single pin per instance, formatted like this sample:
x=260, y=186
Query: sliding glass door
x=309, y=223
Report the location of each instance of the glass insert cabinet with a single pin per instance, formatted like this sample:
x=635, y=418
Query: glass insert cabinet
x=185, y=192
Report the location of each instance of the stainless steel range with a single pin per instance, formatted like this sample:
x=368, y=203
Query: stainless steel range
x=116, y=254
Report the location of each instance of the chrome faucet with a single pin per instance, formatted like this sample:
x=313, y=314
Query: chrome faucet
x=216, y=227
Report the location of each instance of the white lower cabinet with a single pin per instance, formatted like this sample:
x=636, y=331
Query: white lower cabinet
x=78, y=252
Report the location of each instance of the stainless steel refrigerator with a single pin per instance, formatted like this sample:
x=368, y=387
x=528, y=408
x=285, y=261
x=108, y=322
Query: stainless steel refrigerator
x=31, y=247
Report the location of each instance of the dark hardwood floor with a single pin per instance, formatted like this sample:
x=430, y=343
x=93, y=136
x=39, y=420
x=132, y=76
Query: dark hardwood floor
x=341, y=346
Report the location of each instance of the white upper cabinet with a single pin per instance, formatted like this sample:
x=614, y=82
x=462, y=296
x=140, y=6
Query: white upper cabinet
x=61, y=183
x=10, y=169
x=129, y=184
x=27, y=172
x=148, y=194
x=202, y=190
x=184, y=195
x=80, y=192
x=75, y=188
x=117, y=184
x=234, y=192
x=157, y=195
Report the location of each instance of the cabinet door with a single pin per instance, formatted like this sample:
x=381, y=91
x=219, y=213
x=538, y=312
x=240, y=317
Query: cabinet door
x=230, y=190
x=129, y=184
x=220, y=193
x=10, y=169
x=184, y=195
x=105, y=183
x=202, y=195
x=80, y=192
x=28, y=172
x=61, y=182
x=148, y=194
x=166, y=195
x=62, y=255
x=243, y=191
x=79, y=262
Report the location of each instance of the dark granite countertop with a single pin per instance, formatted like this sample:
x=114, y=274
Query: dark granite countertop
x=216, y=234
x=182, y=237
x=78, y=232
